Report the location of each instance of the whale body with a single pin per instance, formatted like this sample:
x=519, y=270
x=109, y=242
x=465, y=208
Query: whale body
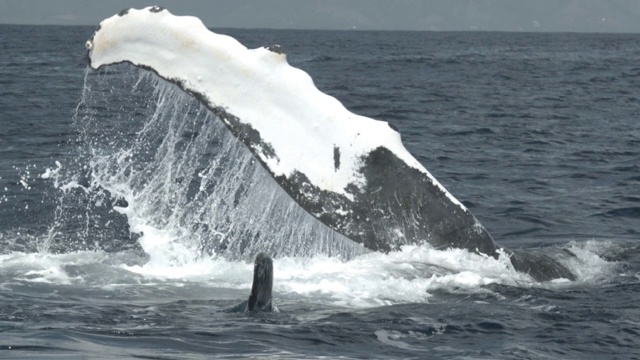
x=350, y=172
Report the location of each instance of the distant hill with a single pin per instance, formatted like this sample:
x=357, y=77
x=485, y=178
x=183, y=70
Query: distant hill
x=489, y=15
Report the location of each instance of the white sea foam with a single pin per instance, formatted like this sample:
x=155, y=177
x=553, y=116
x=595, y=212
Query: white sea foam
x=413, y=275
x=410, y=275
x=588, y=265
x=45, y=268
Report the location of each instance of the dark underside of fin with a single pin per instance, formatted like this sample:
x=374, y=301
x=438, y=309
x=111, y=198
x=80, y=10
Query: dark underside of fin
x=542, y=264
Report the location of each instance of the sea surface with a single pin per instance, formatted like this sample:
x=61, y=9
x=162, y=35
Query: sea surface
x=113, y=245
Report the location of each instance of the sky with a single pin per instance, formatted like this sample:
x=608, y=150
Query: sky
x=436, y=15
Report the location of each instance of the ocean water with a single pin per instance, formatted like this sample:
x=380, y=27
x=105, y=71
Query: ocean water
x=124, y=204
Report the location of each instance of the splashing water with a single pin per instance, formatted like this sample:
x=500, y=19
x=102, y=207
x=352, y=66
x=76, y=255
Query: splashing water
x=156, y=171
x=188, y=188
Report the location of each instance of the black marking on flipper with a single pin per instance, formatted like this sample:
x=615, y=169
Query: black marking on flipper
x=393, y=127
x=122, y=12
x=275, y=48
x=336, y=157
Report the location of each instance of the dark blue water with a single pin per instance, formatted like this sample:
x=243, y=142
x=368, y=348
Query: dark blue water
x=538, y=134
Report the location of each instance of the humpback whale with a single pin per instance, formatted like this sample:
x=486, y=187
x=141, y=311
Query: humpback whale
x=350, y=172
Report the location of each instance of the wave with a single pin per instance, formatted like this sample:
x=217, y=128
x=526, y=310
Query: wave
x=630, y=212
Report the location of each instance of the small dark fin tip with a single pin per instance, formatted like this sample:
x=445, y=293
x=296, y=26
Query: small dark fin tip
x=260, y=297
x=275, y=48
x=156, y=9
